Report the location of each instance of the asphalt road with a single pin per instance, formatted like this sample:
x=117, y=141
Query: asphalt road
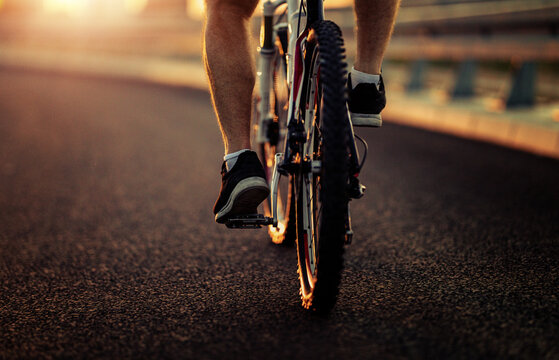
x=108, y=247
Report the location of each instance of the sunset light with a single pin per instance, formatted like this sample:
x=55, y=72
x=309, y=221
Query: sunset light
x=69, y=7
x=135, y=6
x=116, y=8
x=277, y=234
x=85, y=7
x=195, y=8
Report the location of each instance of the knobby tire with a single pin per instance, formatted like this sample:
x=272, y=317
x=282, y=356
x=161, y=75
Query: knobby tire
x=319, y=289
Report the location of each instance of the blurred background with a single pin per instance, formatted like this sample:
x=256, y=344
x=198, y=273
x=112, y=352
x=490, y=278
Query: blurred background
x=492, y=60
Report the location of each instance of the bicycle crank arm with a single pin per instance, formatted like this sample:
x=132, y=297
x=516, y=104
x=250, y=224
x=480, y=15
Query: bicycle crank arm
x=348, y=230
x=255, y=221
x=274, y=188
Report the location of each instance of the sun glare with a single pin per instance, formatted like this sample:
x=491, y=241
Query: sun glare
x=69, y=7
x=135, y=6
x=195, y=8
x=84, y=7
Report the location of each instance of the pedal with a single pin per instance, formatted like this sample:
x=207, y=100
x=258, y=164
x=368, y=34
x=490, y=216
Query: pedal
x=254, y=221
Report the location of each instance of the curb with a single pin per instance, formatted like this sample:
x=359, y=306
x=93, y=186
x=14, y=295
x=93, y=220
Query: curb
x=527, y=130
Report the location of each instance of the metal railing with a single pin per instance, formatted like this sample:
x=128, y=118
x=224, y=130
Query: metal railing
x=522, y=32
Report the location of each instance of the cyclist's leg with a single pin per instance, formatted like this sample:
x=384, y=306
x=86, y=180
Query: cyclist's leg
x=375, y=21
x=230, y=68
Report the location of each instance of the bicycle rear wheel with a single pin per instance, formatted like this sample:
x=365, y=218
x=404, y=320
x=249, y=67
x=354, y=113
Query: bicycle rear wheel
x=322, y=181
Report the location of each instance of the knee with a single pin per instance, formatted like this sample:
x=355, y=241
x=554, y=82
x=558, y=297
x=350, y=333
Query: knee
x=231, y=8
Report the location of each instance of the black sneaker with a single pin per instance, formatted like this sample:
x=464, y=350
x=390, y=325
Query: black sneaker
x=243, y=188
x=365, y=103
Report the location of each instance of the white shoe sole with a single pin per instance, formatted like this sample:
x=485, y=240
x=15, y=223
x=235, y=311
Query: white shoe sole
x=366, y=120
x=244, y=199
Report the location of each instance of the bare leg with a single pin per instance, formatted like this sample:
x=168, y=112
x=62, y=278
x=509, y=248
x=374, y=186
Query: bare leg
x=375, y=20
x=230, y=68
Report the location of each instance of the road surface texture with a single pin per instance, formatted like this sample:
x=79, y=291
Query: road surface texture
x=108, y=247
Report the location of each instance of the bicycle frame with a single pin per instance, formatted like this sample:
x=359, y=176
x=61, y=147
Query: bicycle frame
x=267, y=52
x=298, y=27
